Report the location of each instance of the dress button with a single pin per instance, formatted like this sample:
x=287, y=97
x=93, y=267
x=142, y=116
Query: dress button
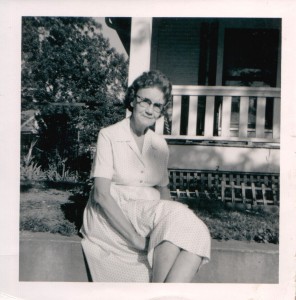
x=141, y=181
x=142, y=171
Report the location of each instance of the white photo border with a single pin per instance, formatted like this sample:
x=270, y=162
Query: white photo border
x=11, y=12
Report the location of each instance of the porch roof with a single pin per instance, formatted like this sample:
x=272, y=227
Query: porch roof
x=123, y=28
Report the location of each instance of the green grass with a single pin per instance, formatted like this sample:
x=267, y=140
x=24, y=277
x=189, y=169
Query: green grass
x=41, y=211
x=59, y=211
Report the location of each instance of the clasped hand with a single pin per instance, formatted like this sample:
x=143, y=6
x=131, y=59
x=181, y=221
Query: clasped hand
x=141, y=243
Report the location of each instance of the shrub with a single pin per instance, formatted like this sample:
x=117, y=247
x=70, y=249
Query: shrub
x=251, y=225
x=37, y=224
x=32, y=171
x=52, y=174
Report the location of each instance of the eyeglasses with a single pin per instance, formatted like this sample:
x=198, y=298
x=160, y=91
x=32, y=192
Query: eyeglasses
x=145, y=102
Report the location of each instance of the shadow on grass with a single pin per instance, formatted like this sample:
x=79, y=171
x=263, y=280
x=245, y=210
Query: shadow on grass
x=73, y=210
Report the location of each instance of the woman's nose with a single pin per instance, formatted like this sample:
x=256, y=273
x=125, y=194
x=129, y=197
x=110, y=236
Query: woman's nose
x=150, y=108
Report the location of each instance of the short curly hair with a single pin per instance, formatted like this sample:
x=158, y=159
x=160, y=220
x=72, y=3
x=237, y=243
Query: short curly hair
x=153, y=78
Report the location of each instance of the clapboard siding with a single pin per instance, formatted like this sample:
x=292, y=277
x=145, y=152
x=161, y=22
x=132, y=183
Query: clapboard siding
x=177, y=47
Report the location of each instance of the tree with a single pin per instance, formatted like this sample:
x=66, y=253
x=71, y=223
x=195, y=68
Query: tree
x=66, y=60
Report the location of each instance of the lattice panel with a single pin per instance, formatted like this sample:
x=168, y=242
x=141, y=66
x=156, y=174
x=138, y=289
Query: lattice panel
x=254, y=188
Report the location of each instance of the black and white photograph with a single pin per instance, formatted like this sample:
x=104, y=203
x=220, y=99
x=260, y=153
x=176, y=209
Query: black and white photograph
x=151, y=149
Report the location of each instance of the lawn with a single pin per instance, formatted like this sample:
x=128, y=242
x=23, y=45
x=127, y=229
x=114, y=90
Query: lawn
x=59, y=210
x=41, y=210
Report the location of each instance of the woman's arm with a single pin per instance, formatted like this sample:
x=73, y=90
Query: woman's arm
x=164, y=192
x=117, y=219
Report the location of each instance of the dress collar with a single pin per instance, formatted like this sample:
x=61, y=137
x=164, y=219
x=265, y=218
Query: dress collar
x=125, y=135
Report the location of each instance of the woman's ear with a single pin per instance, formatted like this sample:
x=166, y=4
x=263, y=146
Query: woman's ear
x=132, y=104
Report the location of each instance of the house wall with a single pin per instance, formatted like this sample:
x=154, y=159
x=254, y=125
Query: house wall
x=191, y=51
x=227, y=158
x=171, y=38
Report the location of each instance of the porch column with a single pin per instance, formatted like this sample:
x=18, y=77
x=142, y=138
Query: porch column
x=140, y=48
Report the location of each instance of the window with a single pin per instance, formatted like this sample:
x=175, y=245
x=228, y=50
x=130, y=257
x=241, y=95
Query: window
x=250, y=57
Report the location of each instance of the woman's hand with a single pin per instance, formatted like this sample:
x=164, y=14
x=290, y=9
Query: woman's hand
x=164, y=192
x=101, y=195
x=140, y=243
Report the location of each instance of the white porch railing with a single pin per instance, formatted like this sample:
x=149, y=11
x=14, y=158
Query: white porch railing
x=216, y=117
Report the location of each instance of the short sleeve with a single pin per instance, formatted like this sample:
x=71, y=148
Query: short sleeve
x=103, y=161
x=165, y=178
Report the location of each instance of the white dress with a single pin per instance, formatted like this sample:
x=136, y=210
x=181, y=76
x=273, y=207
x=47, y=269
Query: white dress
x=134, y=176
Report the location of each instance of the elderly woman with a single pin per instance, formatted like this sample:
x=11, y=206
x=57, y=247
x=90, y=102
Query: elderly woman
x=132, y=231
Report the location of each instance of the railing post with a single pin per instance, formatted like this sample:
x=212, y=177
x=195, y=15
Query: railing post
x=192, y=118
x=243, y=117
x=276, y=118
x=209, y=116
x=226, y=116
x=176, y=117
x=260, y=117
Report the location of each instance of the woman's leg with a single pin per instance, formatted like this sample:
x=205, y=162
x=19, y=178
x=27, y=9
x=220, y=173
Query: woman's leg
x=184, y=268
x=164, y=257
x=171, y=264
